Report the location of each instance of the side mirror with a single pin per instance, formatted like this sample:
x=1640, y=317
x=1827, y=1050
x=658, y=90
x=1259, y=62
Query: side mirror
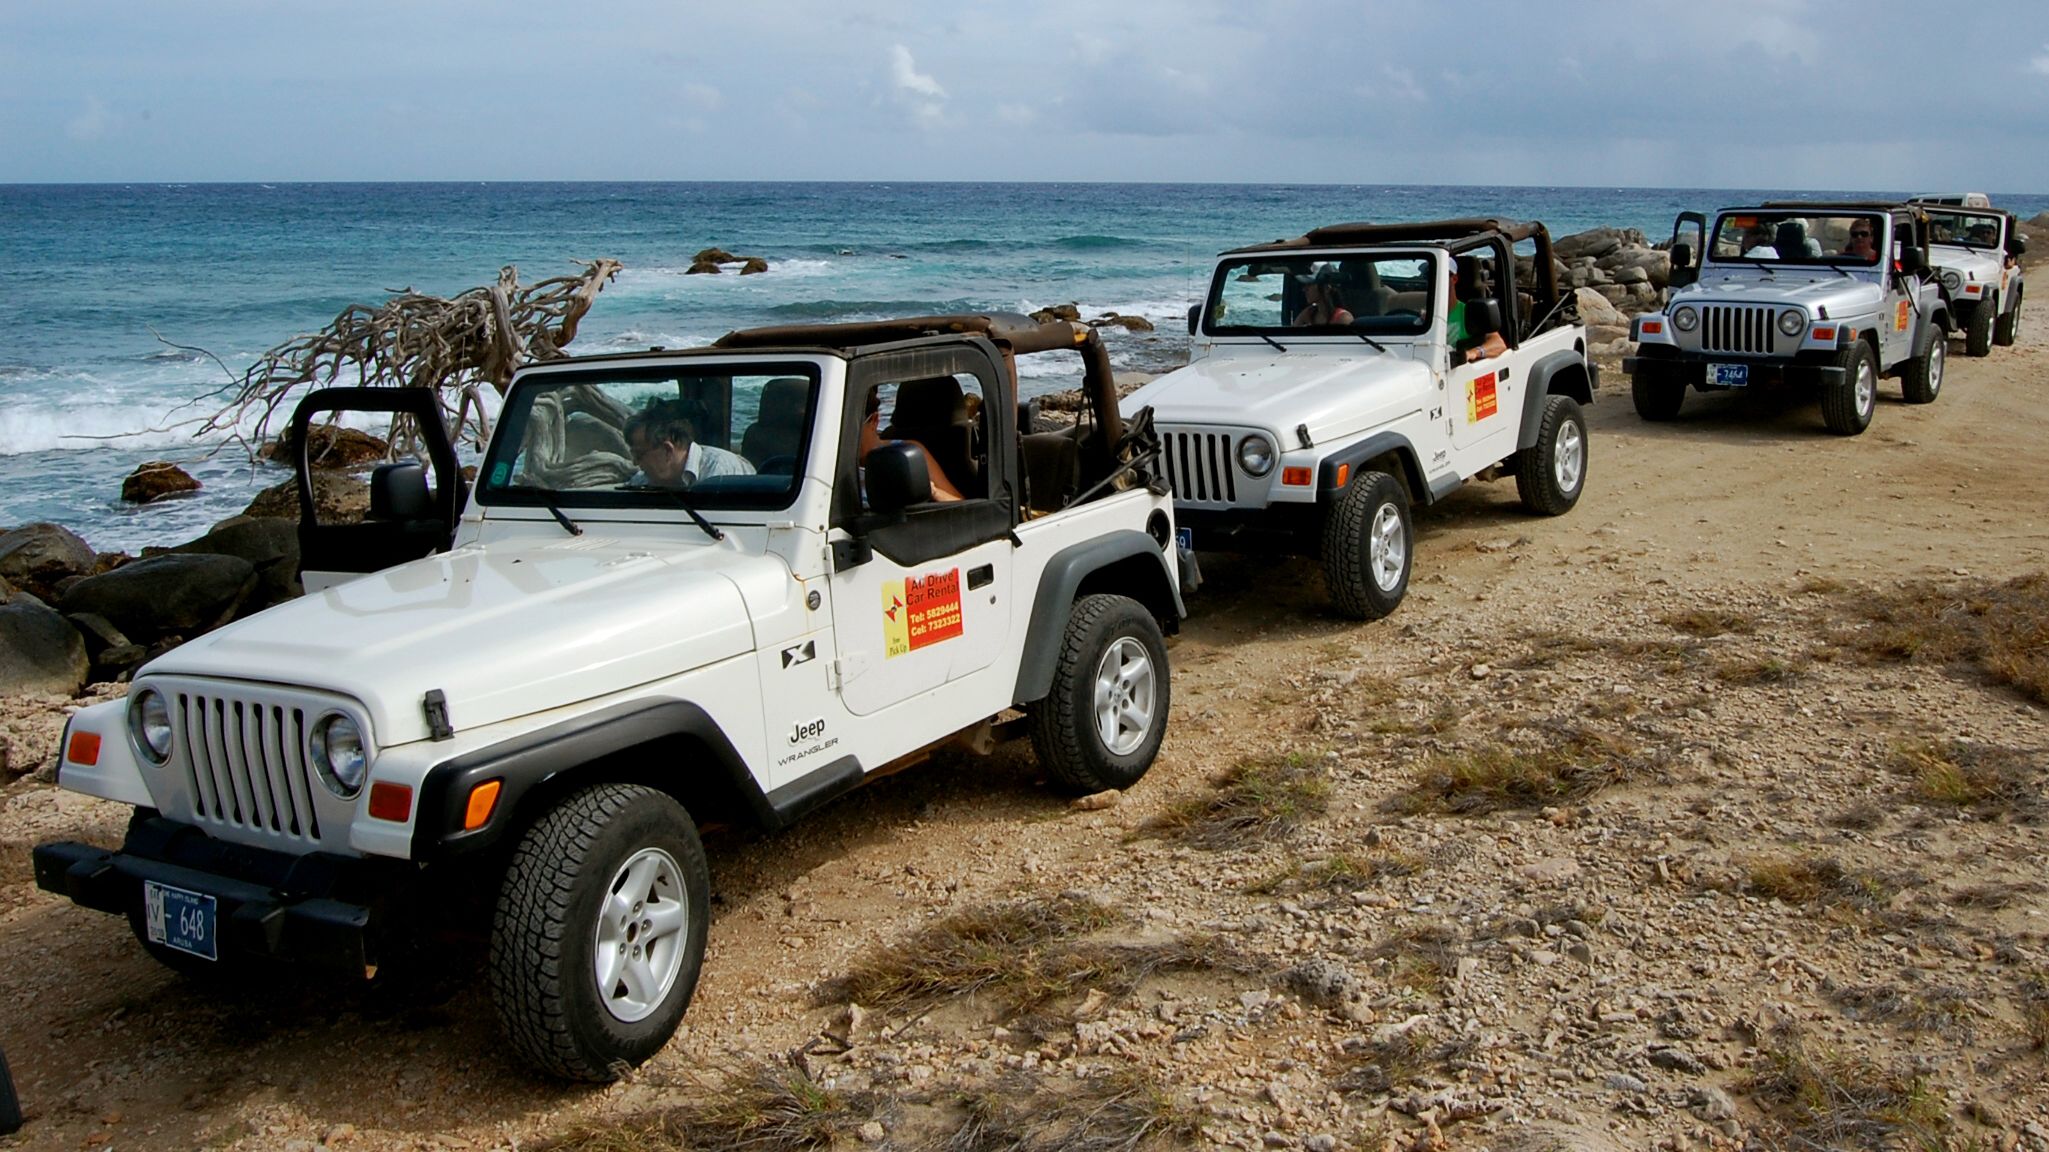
x=1682, y=255
x=1913, y=261
x=399, y=492
x=2016, y=244
x=899, y=476
x=1194, y=315
x=1483, y=316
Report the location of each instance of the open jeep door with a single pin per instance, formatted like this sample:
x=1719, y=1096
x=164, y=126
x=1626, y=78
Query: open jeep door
x=1690, y=230
x=413, y=503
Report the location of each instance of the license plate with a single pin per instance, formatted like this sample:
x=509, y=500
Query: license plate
x=180, y=920
x=1732, y=375
x=1185, y=539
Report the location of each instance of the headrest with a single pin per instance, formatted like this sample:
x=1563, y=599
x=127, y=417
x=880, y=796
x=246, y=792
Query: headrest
x=933, y=399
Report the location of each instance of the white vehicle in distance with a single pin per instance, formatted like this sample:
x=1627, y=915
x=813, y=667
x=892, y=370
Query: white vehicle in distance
x=1828, y=296
x=1976, y=252
x=711, y=586
x=1337, y=379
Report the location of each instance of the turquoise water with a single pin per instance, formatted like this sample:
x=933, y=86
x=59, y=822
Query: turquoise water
x=96, y=273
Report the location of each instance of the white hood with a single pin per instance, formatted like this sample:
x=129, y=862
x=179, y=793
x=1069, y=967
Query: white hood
x=1843, y=296
x=1334, y=395
x=1968, y=263
x=519, y=627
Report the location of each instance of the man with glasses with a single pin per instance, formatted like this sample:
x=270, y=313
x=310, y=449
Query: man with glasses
x=1861, y=246
x=664, y=446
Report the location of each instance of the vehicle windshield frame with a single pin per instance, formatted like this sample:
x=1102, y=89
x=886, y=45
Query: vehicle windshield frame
x=1882, y=240
x=498, y=486
x=1407, y=331
x=1975, y=215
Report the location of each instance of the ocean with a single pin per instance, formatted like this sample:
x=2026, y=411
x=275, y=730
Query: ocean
x=109, y=285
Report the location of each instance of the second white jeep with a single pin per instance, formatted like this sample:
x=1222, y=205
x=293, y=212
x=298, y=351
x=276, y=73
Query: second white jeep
x=1976, y=250
x=1338, y=378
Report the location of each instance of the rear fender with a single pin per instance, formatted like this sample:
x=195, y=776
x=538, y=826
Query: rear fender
x=1563, y=372
x=1127, y=562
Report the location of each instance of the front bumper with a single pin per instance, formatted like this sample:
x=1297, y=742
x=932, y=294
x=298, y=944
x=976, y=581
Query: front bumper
x=1692, y=369
x=320, y=910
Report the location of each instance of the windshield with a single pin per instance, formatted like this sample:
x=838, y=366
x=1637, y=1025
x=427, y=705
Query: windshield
x=1377, y=295
x=1967, y=229
x=1800, y=238
x=636, y=436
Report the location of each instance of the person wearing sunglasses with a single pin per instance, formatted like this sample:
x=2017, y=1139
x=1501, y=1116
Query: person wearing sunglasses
x=665, y=448
x=1862, y=245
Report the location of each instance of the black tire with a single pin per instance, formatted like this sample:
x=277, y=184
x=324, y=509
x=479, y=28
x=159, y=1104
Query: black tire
x=1846, y=406
x=2008, y=328
x=1550, y=474
x=1658, y=395
x=1357, y=568
x=1068, y=725
x=554, y=902
x=10, y=1105
x=1921, y=381
x=1978, y=329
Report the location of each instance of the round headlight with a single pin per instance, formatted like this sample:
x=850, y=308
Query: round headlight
x=149, y=720
x=1792, y=322
x=1952, y=281
x=1256, y=455
x=1686, y=319
x=338, y=755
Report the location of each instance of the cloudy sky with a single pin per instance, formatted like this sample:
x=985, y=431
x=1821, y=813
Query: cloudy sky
x=1711, y=93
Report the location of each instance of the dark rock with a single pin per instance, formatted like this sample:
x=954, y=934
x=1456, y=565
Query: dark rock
x=754, y=265
x=34, y=557
x=157, y=480
x=1057, y=312
x=40, y=652
x=338, y=498
x=1677, y=1060
x=184, y=594
x=714, y=256
x=702, y=268
x=112, y=653
x=1597, y=242
x=270, y=543
x=331, y=446
x=1128, y=323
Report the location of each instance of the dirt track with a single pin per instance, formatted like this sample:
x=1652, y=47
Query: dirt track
x=1745, y=502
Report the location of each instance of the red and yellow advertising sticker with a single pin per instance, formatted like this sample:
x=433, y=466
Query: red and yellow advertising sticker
x=1899, y=317
x=920, y=610
x=1480, y=398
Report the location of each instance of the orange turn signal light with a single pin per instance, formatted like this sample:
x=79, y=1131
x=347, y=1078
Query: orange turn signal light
x=1344, y=475
x=1295, y=477
x=1824, y=333
x=1653, y=327
x=393, y=802
x=84, y=748
x=483, y=802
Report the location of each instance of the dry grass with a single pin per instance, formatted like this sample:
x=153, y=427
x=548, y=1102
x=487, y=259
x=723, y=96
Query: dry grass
x=1115, y=1113
x=1705, y=622
x=1863, y=816
x=1254, y=800
x=760, y=1109
x=1815, y=1098
x=1569, y=764
x=1020, y=956
x=1342, y=872
x=2002, y=630
x=1985, y=779
x=1763, y=670
x=1422, y=957
x=1944, y=1011
x=1549, y=649
x=1817, y=880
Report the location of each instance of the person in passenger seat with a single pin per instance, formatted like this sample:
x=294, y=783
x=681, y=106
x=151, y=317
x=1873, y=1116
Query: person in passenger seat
x=1467, y=347
x=664, y=445
x=943, y=491
x=1323, y=300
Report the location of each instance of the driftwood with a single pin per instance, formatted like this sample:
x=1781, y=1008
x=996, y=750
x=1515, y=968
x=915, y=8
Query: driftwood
x=453, y=346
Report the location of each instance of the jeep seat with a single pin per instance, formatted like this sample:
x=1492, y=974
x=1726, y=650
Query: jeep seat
x=1364, y=292
x=778, y=431
x=1791, y=241
x=934, y=412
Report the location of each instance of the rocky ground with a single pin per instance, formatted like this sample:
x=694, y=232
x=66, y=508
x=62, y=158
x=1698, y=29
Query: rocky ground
x=1632, y=829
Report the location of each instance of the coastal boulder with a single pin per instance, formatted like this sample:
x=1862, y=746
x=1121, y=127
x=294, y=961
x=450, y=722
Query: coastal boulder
x=1596, y=311
x=703, y=268
x=157, y=480
x=714, y=256
x=331, y=446
x=40, y=652
x=1119, y=320
x=338, y=498
x=1597, y=242
x=165, y=595
x=753, y=266
x=269, y=543
x=1058, y=312
x=35, y=557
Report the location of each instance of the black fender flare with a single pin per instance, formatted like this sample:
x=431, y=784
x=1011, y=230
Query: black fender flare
x=530, y=760
x=1350, y=457
x=1060, y=581
x=1541, y=375
x=1936, y=321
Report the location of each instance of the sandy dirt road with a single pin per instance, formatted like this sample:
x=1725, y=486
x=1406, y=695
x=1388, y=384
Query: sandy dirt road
x=1742, y=501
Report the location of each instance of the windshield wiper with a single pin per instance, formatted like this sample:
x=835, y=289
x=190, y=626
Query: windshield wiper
x=1377, y=345
x=1272, y=341
x=676, y=497
x=547, y=501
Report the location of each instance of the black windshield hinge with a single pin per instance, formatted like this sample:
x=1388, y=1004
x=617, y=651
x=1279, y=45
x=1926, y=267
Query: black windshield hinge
x=435, y=705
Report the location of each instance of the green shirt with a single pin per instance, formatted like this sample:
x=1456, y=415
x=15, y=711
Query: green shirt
x=1455, y=324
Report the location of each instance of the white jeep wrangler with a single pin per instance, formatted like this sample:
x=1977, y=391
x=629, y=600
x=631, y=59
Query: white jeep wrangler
x=1827, y=295
x=1976, y=252
x=689, y=587
x=1337, y=378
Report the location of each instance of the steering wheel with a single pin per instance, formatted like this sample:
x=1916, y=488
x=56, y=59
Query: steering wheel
x=784, y=465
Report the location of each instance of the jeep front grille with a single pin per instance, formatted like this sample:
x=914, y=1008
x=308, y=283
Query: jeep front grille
x=246, y=766
x=1747, y=330
x=1200, y=466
